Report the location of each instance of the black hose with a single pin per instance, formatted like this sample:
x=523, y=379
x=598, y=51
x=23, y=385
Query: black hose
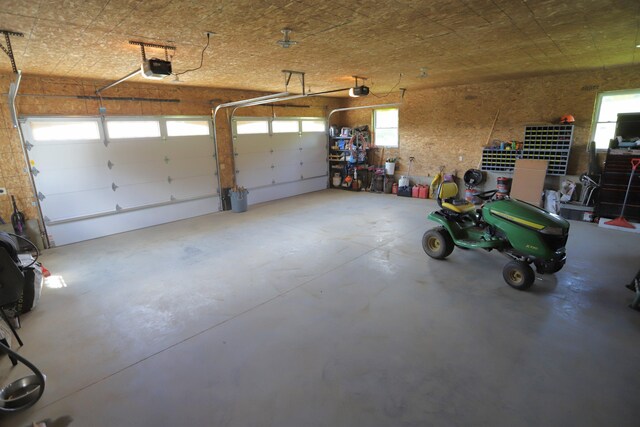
x=35, y=370
x=32, y=244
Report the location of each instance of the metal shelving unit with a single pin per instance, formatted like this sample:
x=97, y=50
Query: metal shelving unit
x=546, y=142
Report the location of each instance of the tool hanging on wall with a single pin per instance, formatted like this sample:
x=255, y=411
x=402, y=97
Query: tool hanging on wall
x=8, y=49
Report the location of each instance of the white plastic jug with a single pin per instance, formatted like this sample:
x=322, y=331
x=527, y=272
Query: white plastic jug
x=403, y=182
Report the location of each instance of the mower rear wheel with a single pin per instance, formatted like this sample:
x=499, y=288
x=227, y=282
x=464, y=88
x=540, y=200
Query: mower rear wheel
x=519, y=275
x=437, y=243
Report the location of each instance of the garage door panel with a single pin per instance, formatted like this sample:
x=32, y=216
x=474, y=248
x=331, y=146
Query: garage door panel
x=252, y=178
x=78, y=204
x=136, y=195
x=245, y=144
x=138, y=173
x=284, y=141
x=191, y=187
x=287, y=174
x=286, y=157
x=135, y=151
x=254, y=160
x=67, y=156
x=76, y=176
x=201, y=147
x=191, y=167
x=314, y=154
x=71, y=180
x=313, y=141
x=314, y=169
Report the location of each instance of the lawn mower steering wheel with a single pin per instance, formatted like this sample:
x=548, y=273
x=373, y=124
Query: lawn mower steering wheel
x=486, y=195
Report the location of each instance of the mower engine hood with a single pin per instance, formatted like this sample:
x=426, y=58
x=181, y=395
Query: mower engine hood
x=526, y=215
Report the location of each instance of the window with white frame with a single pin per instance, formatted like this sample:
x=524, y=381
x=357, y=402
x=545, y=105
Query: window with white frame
x=385, y=127
x=608, y=105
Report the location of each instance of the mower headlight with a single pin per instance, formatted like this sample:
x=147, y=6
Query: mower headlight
x=553, y=231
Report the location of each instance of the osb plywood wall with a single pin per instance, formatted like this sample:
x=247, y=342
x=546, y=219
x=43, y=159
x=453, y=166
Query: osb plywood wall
x=439, y=126
x=61, y=97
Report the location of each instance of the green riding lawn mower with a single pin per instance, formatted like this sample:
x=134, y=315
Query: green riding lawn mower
x=523, y=232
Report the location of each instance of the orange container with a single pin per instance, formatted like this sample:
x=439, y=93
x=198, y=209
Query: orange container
x=415, y=191
x=423, y=192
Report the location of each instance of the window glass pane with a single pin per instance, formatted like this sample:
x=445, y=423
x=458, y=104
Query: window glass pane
x=285, y=126
x=133, y=129
x=386, y=137
x=187, y=127
x=610, y=106
x=613, y=104
x=252, y=126
x=604, y=133
x=313, y=126
x=387, y=118
x=64, y=131
x=386, y=127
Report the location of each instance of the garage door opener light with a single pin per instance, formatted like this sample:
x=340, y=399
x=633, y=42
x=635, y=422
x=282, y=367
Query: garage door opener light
x=359, y=90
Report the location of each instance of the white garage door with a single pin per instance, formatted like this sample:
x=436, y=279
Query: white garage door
x=277, y=158
x=95, y=178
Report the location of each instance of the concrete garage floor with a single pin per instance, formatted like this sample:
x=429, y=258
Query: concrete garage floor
x=323, y=310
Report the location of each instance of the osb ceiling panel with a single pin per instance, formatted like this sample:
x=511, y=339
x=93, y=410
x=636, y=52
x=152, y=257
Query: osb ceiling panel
x=457, y=41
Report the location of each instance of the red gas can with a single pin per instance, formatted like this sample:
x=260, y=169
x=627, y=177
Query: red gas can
x=415, y=191
x=394, y=188
x=423, y=193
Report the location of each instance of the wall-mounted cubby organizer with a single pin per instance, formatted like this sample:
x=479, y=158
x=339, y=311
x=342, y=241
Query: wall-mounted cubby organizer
x=549, y=142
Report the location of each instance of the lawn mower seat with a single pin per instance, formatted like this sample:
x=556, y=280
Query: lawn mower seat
x=447, y=201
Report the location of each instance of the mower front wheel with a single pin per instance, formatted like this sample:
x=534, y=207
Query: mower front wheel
x=519, y=275
x=437, y=243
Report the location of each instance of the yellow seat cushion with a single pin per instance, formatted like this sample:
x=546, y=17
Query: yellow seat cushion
x=463, y=208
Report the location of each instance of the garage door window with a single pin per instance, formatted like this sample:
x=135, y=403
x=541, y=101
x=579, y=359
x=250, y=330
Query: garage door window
x=247, y=127
x=608, y=105
x=385, y=122
x=187, y=127
x=285, y=126
x=313, y=126
x=64, y=130
x=133, y=129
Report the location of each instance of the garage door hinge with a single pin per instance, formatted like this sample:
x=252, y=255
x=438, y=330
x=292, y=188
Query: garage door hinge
x=106, y=142
x=35, y=171
x=272, y=167
x=173, y=199
x=114, y=186
x=118, y=207
x=109, y=164
x=235, y=154
x=301, y=163
x=301, y=177
x=41, y=196
x=28, y=145
x=271, y=151
x=169, y=179
x=46, y=220
x=273, y=181
x=166, y=159
x=237, y=171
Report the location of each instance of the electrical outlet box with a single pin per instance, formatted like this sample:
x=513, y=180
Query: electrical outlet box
x=3, y=191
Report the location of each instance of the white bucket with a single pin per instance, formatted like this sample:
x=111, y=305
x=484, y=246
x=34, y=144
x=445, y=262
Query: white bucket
x=389, y=168
x=403, y=182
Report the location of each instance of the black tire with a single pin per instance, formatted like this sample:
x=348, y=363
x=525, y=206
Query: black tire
x=519, y=275
x=437, y=243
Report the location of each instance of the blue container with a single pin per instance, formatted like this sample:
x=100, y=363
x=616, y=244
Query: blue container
x=239, y=200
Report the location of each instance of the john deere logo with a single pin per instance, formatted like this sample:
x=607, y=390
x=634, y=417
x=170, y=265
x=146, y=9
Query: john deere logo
x=531, y=247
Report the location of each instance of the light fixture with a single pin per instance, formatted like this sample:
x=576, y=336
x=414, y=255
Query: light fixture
x=423, y=73
x=287, y=42
x=359, y=90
